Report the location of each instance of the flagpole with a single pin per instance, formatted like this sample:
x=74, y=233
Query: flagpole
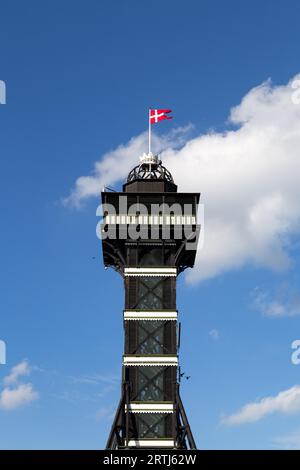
x=149, y=133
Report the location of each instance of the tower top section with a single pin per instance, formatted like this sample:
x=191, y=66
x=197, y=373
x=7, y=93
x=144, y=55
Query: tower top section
x=149, y=158
x=150, y=169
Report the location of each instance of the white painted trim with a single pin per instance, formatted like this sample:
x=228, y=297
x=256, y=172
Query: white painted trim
x=150, y=407
x=142, y=315
x=150, y=360
x=151, y=443
x=141, y=271
x=167, y=220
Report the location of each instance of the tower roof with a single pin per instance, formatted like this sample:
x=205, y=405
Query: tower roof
x=150, y=169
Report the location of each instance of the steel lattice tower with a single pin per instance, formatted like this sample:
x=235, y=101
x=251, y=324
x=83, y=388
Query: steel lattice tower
x=150, y=248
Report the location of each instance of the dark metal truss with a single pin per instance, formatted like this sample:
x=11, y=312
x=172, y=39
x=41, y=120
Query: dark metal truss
x=150, y=290
x=119, y=434
x=150, y=381
x=150, y=172
x=150, y=335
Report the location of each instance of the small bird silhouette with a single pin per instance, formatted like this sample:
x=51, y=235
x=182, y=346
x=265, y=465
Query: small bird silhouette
x=188, y=377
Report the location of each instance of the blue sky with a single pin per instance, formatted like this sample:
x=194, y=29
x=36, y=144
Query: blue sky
x=80, y=77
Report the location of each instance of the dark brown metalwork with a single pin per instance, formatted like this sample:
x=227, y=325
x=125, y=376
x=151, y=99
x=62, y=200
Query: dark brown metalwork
x=150, y=172
x=152, y=337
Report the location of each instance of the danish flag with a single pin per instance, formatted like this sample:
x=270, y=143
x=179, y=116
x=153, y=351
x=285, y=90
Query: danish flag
x=156, y=115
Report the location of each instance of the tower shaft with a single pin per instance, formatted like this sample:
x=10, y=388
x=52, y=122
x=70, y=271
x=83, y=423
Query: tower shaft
x=150, y=248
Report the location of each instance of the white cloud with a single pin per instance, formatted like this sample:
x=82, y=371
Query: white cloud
x=286, y=402
x=15, y=394
x=249, y=178
x=11, y=398
x=283, y=303
x=17, y=371
x=115, y=165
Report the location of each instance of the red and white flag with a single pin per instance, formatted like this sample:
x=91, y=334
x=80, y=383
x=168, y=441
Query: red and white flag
x=156, y=115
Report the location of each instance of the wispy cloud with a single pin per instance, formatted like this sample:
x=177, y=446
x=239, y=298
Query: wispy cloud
x=17, y=371
x=286, y=402
x=249, y=177
x=289, y=442
x=105, y=413
x=15, y=394
x=285, y=302
x=95, y=379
